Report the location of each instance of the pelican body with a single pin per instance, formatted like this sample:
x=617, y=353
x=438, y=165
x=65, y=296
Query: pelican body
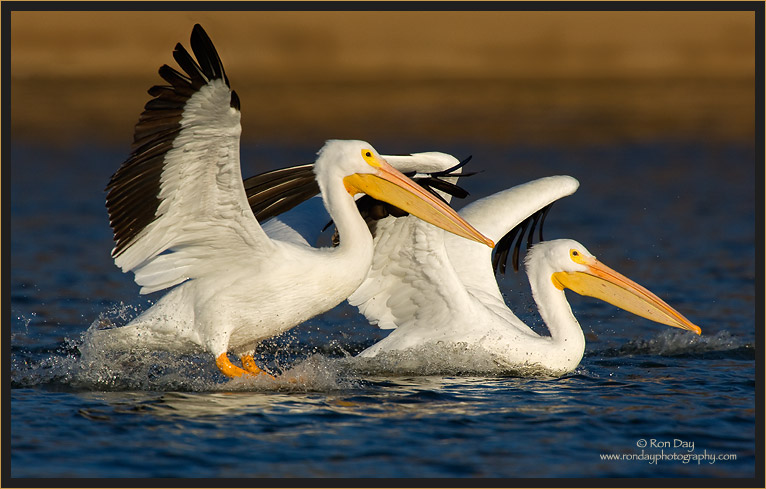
x=434, y=290
x=182, y=221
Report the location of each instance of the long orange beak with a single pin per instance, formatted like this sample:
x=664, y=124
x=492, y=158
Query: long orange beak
x=603, y=283
x=390, y=185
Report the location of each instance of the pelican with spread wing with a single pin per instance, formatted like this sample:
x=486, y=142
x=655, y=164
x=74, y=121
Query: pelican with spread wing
x=181, y=221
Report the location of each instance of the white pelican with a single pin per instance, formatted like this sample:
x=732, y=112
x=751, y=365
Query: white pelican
x=436, y=290
x=181, y=219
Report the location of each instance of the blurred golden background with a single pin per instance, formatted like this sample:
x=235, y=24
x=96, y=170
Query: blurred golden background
x=533, y=77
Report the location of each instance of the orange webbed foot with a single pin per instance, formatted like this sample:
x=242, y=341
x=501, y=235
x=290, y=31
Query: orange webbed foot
x=248, y=362
x=230, y=370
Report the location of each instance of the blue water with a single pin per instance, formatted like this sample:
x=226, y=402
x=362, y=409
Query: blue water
x=678, y=218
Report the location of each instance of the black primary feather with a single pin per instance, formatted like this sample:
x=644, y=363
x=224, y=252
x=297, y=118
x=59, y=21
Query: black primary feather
x=450, y=172
x=515, y=236
x=133, y=191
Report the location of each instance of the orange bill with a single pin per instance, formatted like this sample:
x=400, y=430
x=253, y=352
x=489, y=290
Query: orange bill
x=603, y=283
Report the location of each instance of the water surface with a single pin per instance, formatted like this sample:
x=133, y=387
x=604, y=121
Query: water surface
x=676, y=217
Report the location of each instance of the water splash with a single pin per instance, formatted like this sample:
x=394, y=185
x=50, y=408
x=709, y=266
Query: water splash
x=677, y=343
x=84, y=364
x=440, y=359
x=314, y=373
x=81, y=364
x=81, y=367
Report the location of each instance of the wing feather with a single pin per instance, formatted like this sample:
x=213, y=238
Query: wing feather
x=498, y=216
x=498, y=213
x=410, y=281
x=277, y=191
x=179, y=195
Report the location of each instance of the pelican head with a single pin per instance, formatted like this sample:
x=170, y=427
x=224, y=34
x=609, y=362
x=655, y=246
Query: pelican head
x=363, y=170
x=573, y=267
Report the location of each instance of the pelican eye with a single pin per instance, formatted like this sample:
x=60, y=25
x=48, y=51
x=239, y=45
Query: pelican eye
x=370, y=158
x=576, y=256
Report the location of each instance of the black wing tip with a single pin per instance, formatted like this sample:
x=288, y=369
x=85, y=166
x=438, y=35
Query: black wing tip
x=436, y=183
x=198, y=30
x=133, y=190
x=449, y=171
x=207, y=55
x=515, y=236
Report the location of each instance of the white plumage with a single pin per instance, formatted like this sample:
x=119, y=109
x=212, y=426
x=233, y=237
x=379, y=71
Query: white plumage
x=181, y=219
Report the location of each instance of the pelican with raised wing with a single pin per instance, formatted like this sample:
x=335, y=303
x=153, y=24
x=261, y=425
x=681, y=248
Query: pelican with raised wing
x=181, y=221
x=435, y=290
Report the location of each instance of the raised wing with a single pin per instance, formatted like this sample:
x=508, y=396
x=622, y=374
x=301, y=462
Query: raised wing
x=499, y=213
x=499, y=217
x=178, y=202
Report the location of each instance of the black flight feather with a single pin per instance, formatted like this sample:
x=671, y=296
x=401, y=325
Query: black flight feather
x=514, y=237
x=275, y=192
x=133, y=191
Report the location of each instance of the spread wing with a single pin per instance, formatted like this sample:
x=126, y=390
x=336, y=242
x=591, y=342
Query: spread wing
x=178, y=203
x=503, y=217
